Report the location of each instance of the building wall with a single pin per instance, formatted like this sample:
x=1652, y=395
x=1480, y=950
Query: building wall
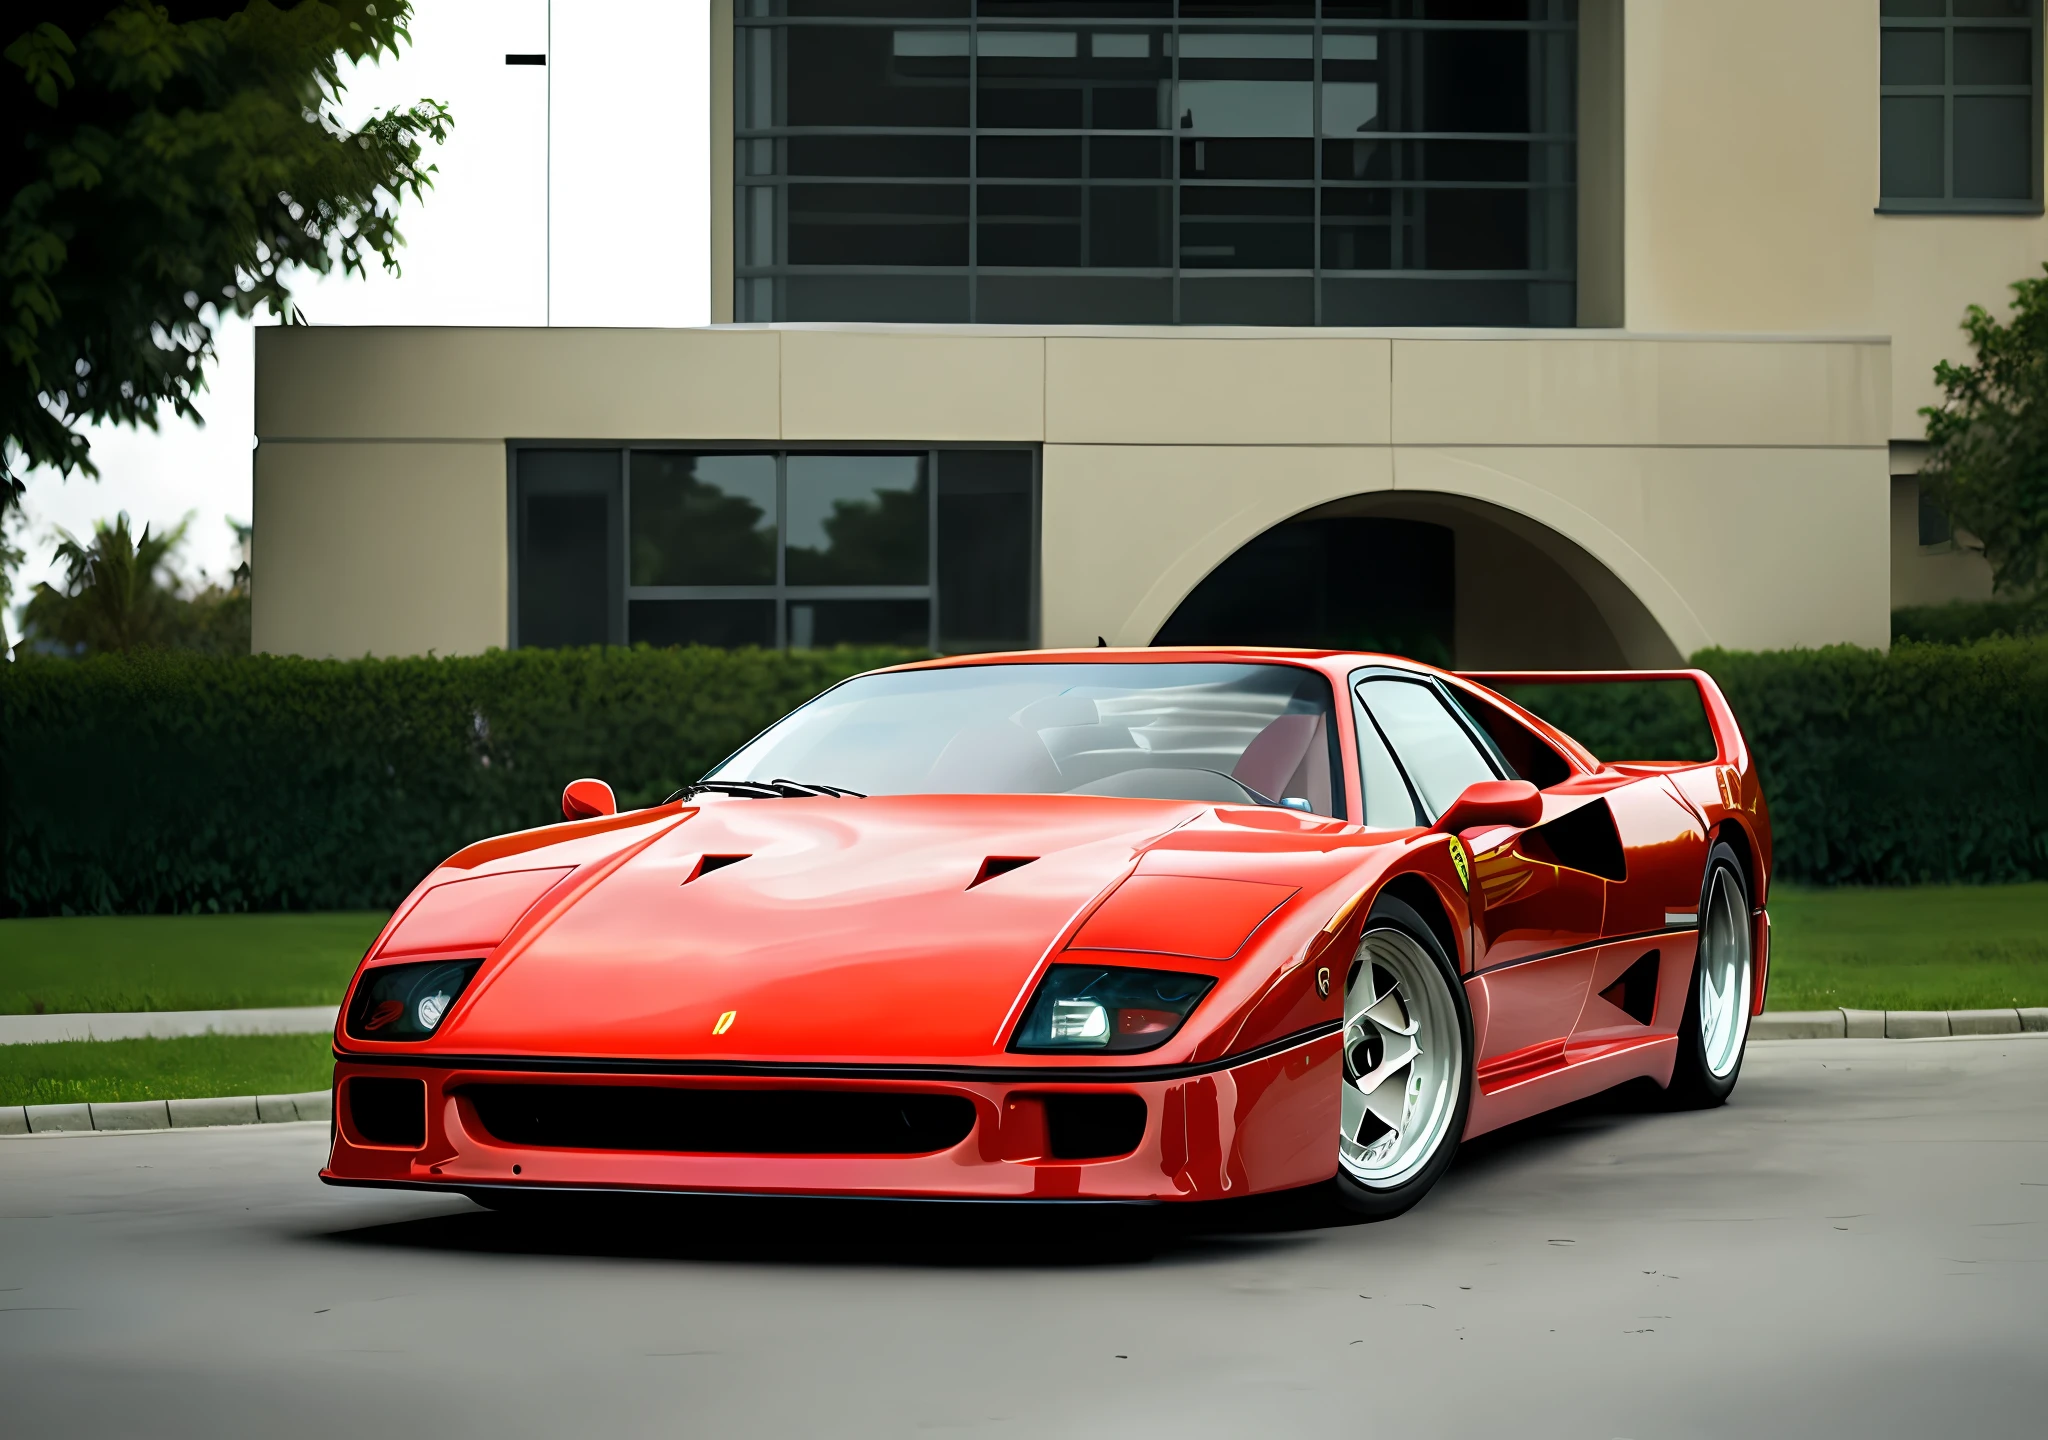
x=1714, y=491
x=1752, y=184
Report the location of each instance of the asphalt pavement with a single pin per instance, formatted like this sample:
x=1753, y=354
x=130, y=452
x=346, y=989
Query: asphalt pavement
x=1857, y=1245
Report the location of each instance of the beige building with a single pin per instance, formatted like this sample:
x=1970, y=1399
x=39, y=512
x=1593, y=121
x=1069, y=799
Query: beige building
x=1543, y=334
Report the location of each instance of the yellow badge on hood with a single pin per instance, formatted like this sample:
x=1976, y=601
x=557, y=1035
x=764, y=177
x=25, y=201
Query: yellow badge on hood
x=1462, y=864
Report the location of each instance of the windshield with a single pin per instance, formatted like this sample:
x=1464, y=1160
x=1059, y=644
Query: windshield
x=1232, y=734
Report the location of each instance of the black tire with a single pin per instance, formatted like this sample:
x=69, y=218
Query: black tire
x=1694, y=1085
x=1383, y=1203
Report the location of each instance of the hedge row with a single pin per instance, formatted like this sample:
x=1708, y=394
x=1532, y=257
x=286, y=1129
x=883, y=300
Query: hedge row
x=169, y=781
x=178, y=782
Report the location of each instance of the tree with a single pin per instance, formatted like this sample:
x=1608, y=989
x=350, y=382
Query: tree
x=120, y=593
x=171, y=164
x=1988, y=470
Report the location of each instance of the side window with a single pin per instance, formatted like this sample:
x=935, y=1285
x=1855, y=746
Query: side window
x=1439, y=753
x=1388, y=803
x=1514, y=744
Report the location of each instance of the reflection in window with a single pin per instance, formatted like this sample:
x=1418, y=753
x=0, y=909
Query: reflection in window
x=857, y=520
x=1129, y=172
x=703, y=519
x=667, y=546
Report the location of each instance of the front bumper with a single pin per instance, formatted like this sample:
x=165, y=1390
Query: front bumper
x=1263, y=1124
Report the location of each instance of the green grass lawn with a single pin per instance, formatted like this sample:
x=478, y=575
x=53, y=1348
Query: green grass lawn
x=180, y=962
x=1926, y=947
x=202, y=1065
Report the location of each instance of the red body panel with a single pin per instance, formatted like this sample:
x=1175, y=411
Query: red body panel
x=856, y=945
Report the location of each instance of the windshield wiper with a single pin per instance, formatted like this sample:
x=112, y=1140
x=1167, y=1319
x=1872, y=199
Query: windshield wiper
x=763, y=790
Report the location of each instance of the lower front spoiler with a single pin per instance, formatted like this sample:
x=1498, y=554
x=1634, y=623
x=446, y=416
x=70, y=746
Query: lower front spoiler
x=647, y=1192
x=1264, y=1125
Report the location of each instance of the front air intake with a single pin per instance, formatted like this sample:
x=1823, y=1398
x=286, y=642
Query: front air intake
x=704, y=1121
x=387, y=1112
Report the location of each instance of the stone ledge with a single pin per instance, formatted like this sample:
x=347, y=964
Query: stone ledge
x=1894, y=1024
x=166, y=1114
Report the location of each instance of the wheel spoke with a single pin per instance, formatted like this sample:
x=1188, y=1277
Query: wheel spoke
x=1390, y=1014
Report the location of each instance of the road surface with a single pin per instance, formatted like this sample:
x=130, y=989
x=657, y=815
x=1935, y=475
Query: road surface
x=1856, y=1246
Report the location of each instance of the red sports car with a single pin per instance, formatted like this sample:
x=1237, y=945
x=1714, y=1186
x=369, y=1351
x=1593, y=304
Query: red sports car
x=1101, y=925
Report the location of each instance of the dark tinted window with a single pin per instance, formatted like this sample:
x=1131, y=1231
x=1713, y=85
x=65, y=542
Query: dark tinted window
x=568, y=514
x=1959, y=118
x=1415, y=173
x=1517, y=747
x=985, y=550
x=664, y=545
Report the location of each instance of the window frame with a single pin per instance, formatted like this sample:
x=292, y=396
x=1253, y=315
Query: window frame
x=1362, y=713
x=782, y=593
x=1948, y=203
x=761, y=176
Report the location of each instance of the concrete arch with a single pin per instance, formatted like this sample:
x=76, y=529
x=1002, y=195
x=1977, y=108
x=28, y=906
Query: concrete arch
x=1175, y=514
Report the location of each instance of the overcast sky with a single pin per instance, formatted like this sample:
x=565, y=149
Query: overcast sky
x=631, y=233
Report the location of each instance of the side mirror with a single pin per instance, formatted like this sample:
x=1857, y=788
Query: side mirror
x=587, y=799
x=1493, y=802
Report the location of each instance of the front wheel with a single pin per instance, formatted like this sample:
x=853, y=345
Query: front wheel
x=1715, y=1030
x=1407, y=1065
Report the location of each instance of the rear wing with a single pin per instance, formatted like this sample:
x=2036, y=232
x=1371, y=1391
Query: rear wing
x=1682, y=710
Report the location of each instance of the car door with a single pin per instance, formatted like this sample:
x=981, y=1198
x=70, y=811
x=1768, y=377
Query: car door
x=1536, y=919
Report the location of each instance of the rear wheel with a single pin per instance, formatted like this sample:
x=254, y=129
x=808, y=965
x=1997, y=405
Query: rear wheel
x=1407, y=1065
x=1715, y=1030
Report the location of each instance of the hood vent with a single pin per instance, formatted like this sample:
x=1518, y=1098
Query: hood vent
x=714, y=862
x=999, y=865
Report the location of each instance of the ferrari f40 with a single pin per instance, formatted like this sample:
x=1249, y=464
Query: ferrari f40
x=1108, y=925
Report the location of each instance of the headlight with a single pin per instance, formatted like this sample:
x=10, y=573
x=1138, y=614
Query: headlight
x=1092, y=1007
x=406, y=1002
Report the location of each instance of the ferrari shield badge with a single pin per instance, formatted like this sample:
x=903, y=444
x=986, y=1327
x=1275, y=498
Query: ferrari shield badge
x=725, y=1022
x=1461, y=863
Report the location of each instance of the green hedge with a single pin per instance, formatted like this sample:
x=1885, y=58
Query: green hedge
x=171, y=781
x=1961, y=621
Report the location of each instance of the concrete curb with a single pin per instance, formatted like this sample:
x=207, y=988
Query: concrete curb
x=166, y=1024
x=166, y=1114
x=1894, y=1024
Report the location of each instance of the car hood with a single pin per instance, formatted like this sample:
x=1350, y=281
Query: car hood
x=853, y=930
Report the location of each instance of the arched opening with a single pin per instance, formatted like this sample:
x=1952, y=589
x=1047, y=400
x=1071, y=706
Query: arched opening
x=1439, y=578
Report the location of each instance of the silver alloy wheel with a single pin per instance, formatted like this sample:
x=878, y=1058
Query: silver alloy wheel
x=1403, y=1060
x=1724, y=974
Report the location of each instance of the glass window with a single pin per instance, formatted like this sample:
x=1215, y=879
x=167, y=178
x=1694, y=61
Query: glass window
x=1389, y=804
x=568, y=571
x=857, y=520
x=665, y=545
x=1415, y=172
x=703, y=519
x=1438, y=753
x=1517, y=749
x=985, y=522
x=1959, y=117
x=1226, y=734
x=1934, y=527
